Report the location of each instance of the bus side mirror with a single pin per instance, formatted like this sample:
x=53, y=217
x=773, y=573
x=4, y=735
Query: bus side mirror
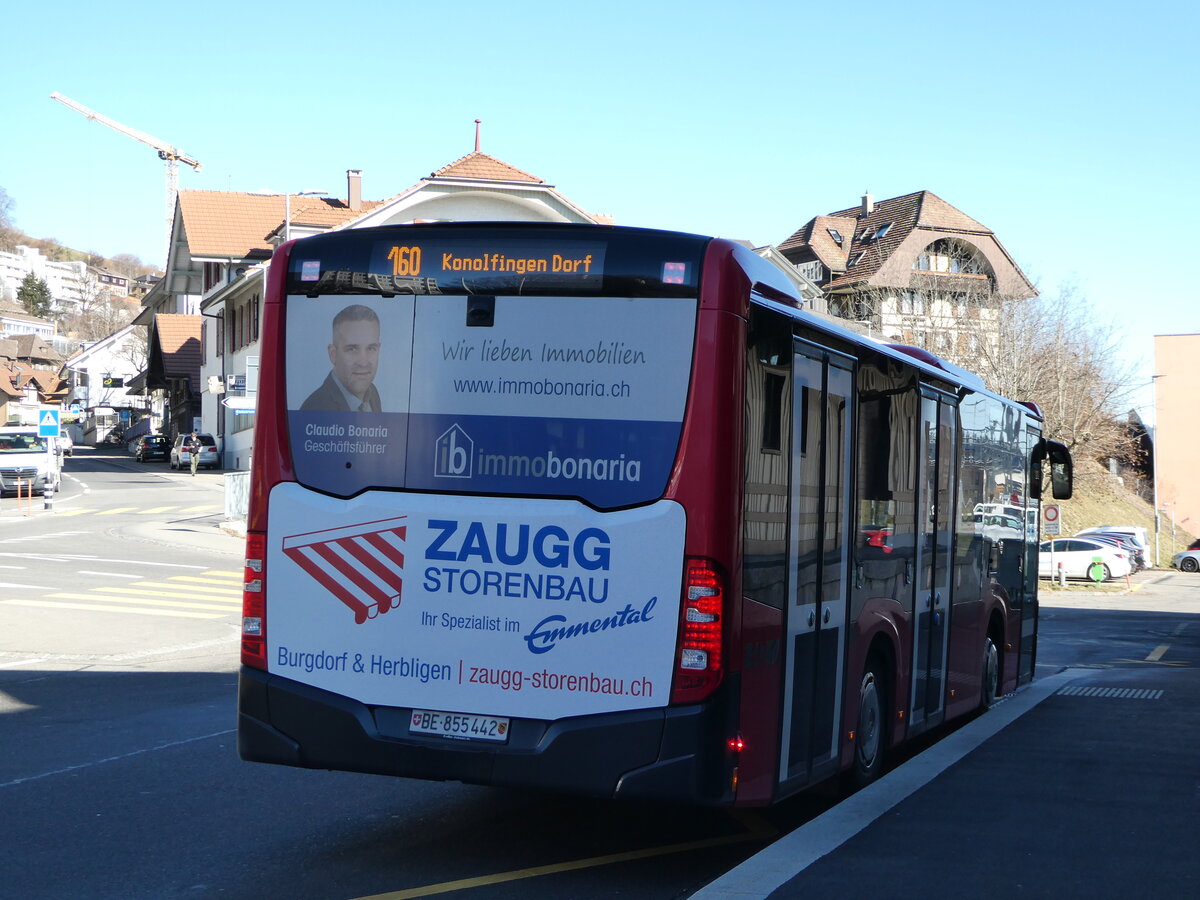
x=1062, y=474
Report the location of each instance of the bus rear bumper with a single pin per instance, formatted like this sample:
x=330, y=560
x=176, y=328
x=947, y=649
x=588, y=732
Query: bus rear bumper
x=654, y=753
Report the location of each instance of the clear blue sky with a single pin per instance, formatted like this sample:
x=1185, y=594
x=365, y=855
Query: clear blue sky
x=1068, y=128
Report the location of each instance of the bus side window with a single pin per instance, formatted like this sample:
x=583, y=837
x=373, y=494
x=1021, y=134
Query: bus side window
x=768, y=429
x=884, y=542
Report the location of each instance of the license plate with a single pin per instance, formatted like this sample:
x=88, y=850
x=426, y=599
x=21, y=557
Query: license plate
x=462, y=726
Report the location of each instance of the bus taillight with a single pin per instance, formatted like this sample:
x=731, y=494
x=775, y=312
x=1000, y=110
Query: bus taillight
x=699, y=666
x=254, y=613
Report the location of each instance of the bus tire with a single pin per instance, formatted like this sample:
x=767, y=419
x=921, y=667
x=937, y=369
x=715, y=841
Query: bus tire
x=991, y=673
x=870, y=733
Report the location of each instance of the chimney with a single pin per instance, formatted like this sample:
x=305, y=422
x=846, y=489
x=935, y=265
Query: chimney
x=868, y=205
x=354, y=189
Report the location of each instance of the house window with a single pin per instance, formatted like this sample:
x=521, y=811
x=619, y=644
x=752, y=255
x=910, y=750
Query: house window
x=836, y=235
x=212, y=275
x=883, y=229
x=950, y=257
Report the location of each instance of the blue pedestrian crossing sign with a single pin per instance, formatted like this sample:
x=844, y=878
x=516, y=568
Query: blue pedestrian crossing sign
x=48, y=423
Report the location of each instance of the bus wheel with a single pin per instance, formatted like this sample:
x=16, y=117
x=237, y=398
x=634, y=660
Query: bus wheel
x=991, y=673
x=870, y=734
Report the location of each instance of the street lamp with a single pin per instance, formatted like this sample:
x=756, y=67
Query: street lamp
x=1154, y=466
x=287, y=210
x=287, y=206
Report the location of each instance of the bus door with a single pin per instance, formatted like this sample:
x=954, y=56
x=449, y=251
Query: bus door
x=818, y=555
x=936, y=488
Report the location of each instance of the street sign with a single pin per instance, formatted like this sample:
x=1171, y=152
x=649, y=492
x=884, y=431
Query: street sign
x=1052, y=520
x=243, y=405
x=48, y=423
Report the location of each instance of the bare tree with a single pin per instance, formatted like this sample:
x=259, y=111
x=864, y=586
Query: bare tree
x=98, y=314
x=136, y=349
x=8, y=231
x=1048, y=349
x=129, y=265
x=1055, y=352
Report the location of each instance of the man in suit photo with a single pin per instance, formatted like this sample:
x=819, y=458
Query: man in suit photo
x=354, y=355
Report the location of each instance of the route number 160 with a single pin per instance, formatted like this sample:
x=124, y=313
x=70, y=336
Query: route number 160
x=405, y=260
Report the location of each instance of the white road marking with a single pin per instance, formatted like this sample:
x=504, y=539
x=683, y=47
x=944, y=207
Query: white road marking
x=107, y=759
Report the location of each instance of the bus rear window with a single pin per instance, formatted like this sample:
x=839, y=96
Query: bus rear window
x=552, y=395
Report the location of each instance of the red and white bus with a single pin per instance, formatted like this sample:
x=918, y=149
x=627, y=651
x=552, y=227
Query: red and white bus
x=606, y=510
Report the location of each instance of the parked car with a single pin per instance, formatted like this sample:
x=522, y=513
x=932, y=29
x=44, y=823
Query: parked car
x=1136, y=532
x=29, y=463
x=181, y=457
x=66, y=446
x=1076, y=556
x=152, y=446
x=1137, y=556
x=1187, y=561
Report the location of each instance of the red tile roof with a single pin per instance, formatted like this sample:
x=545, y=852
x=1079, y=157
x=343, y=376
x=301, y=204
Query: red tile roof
x=481, y=167
x=179, y=342
x=232, y=225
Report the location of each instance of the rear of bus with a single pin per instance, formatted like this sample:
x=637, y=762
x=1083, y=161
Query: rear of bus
x=494, y=510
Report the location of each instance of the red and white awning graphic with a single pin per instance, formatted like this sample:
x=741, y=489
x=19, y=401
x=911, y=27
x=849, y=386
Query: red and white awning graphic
x=361, y=565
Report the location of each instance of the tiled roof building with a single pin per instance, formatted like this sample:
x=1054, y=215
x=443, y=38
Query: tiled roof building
x=914, y=269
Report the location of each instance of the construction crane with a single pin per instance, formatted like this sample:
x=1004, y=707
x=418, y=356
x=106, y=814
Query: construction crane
x=166, y=152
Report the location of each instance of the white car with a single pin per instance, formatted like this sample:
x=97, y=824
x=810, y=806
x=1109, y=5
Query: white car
x=1077, y=555
x=66, y=446
x=29, y=463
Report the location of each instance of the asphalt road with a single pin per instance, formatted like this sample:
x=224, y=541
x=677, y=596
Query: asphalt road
x=119, y=776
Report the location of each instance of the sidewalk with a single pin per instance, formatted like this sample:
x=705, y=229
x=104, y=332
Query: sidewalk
x=1083, y=784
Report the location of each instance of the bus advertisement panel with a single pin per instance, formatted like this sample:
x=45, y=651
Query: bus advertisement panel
x=508, y=607
x=557, y=396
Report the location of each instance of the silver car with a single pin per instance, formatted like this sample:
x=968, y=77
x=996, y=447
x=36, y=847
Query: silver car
x=1187, y=561
x=181, y=457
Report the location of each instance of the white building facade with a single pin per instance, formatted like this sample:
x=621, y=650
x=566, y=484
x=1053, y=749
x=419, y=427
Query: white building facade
x=66, y=280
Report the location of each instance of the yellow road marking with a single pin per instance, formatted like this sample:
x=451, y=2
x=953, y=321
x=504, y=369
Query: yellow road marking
x=193, y=509
x=215, y=598
x=1157, y=662
x=63, y=513
x=200, y=579
x=222, y=590
x=1158, y=653
x=573, y=865
x=219, y=573
x=104, y=598
x=156, y=509
x=93, y=607
x=115, y=510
